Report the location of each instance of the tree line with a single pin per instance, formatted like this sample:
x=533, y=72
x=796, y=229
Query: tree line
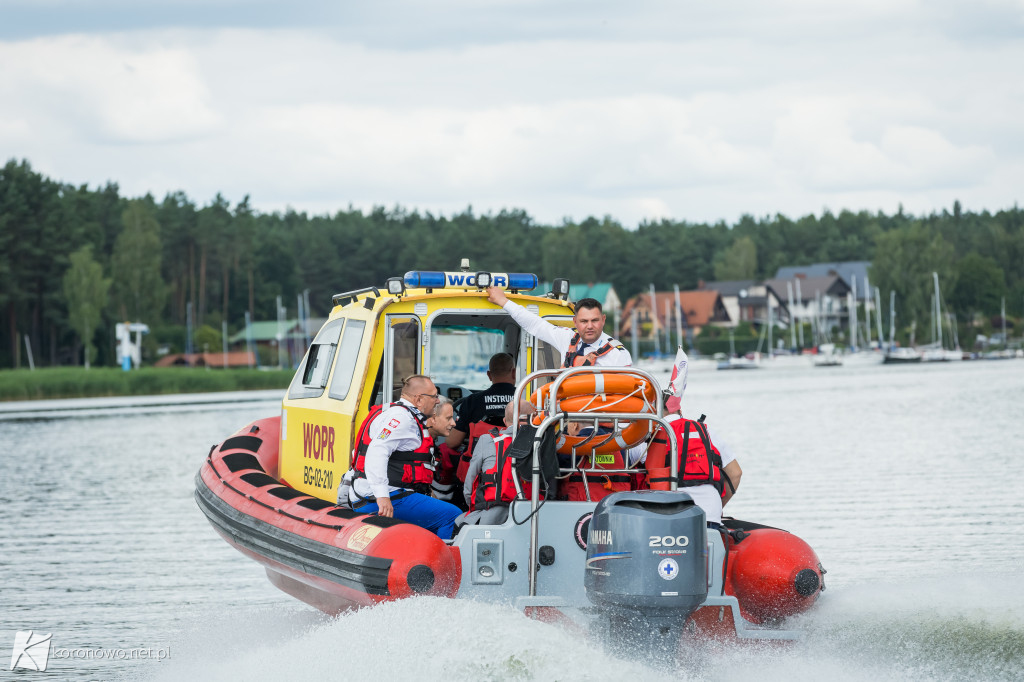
x=74, y=260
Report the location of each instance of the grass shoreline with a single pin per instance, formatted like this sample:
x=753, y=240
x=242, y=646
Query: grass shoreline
x=77, y=382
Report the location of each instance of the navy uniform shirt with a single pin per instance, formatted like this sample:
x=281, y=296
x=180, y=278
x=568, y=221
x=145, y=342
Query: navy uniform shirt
x=486, y=406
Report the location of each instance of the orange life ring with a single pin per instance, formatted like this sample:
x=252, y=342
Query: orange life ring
x=601, y=443
x=604, y=403
x=597, y=383
x=602, y=393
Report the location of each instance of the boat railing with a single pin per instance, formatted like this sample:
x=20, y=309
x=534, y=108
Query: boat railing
x=554, y=416
x=347, y=297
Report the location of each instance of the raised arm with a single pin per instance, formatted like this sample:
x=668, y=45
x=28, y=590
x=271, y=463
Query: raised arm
x=559, y=337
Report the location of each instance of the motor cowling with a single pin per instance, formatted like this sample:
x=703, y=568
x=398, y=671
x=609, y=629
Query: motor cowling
x=647, y=555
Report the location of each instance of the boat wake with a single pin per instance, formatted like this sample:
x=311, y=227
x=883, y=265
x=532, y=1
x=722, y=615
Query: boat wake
x=427, y=638
x=938, y=629
x=954, y=628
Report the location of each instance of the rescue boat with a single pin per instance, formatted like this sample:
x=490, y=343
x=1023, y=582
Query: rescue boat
x=638, y=556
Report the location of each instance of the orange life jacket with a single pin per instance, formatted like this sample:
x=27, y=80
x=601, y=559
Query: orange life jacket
x=574, y=360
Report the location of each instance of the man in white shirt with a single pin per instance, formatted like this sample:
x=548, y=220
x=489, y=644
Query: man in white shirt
x=396, y=463
x=586, y=345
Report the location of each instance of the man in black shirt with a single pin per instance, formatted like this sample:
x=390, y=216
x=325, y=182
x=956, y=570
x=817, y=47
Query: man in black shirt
x=489, y=405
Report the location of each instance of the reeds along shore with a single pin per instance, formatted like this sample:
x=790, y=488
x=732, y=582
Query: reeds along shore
x=77, y=382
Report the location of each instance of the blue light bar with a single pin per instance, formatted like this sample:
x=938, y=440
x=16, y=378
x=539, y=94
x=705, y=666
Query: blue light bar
x=425, y=279
x=416, y=279
x=523, y=281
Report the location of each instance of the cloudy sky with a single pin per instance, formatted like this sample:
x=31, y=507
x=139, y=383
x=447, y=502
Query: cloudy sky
x=697, y=111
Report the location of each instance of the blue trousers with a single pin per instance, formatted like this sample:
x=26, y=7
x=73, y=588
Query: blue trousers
x=437, y=516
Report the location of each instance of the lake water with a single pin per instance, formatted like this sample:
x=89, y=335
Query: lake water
x=907, y=481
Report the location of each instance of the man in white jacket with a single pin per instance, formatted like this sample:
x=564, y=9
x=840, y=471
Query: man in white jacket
x=395, y=465
x=587, y=344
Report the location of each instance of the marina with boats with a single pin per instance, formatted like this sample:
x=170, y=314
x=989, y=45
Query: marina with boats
x=843, y=327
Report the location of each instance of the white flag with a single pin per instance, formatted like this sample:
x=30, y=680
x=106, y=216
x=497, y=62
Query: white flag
x=677, y=384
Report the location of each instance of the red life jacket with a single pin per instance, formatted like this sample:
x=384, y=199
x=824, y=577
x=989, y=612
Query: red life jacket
x=700, y=462
x=496, y=485
x=476, y=429
x=574, y=487
x=573, y=360
x=447, y=467
x=406, y=468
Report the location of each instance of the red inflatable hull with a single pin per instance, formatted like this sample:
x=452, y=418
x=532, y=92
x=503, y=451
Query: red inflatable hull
x=329, y=557
x=773, y=574
x=336, y=559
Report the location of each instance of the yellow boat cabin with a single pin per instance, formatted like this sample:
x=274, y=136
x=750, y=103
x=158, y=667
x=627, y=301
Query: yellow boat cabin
x=428, y=322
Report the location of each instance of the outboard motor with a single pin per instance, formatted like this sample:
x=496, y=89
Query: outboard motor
x=647, y=565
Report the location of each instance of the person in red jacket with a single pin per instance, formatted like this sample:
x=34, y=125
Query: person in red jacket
x=711, y=496
x=483, y=477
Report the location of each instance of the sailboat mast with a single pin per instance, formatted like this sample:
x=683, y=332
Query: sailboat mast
x=878, y=314
x=633, y=322
x=792, y=316
x=851, y=320
x=679, y=317
x=655, y=332
x=892, y=319
x=668, y=327
x=867, y=312
x=933, y=319
x=819, y=334
x=938, y=310
x=1002, y=314
x=800, y=301
x=853, y=315
x=769, y=297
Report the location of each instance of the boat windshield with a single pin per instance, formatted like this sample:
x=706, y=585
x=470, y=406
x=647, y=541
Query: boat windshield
x=462, y=343
x=459, y=354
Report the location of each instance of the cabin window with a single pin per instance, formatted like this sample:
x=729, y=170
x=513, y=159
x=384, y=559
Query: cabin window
x=461, y=344
x=311, y=379
x=460, y=355
x=404, y=334
x=348, y=355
